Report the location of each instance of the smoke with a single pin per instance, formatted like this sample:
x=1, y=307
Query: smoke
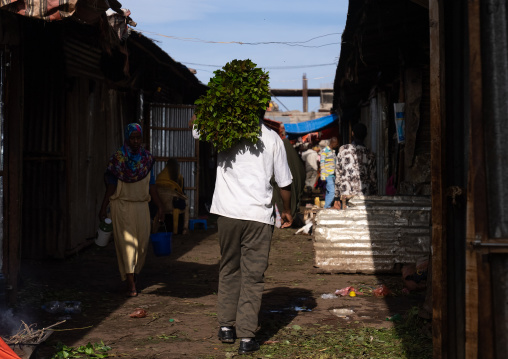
x=9, y=324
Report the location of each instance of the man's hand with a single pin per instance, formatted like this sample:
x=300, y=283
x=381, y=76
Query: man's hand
x=285, y=215
x=287, y=219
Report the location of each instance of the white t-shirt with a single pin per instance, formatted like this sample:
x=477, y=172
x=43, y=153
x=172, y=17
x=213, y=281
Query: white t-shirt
x=311, y=158
x=242, y=188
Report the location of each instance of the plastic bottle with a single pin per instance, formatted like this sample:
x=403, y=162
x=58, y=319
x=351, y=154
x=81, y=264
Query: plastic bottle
x=328, y=296
x=317, y=202
x=65, y=307
x=106, y=225
x=278, y=218
x=104, y=232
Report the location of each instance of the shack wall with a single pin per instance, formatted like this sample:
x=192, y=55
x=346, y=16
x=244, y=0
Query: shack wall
x=72, y=124
x=376, y=234
x=99, y=116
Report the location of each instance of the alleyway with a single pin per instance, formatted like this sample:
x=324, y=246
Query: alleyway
x=179, y=295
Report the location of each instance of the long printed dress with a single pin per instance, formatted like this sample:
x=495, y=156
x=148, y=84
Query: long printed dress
x=131, y=224
x=355, y=172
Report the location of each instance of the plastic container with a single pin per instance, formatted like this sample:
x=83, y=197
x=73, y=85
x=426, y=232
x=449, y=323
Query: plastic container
x=328, y=296
x=317, y=202
x=65, y=307
x=104, y=232
x=161, y=243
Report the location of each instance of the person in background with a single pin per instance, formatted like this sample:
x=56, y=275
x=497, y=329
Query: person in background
x=311, y=159
x=171, y=178
x=130, y=185
x=328, y=170
x=356, y=169
x=297, y=172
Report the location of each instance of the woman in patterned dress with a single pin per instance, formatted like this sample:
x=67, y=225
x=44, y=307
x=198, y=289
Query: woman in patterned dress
x=130, y=185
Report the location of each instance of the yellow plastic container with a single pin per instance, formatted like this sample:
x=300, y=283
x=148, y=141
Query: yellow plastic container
x=317, y=202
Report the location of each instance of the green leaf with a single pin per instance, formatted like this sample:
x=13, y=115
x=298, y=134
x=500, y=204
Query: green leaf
x=89, y=351
x=229, y=111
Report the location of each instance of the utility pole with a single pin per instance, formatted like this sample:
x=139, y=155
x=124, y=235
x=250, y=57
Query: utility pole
x=305, y=95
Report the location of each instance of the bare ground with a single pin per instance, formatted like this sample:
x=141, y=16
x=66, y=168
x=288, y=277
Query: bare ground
x=179, y=294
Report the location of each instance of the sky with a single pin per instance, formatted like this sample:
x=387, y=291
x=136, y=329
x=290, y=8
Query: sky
x=286, y=38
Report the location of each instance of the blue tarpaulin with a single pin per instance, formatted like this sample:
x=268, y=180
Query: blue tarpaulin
x=303, y=128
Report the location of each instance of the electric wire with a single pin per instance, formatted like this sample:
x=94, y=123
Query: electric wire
x=275, y=97
x=290, y=67
x=287, y=43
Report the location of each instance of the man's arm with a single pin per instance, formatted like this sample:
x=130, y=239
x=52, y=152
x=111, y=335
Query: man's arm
x=287, y=219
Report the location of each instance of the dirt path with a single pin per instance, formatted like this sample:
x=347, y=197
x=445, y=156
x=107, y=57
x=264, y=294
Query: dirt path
x=179, y=294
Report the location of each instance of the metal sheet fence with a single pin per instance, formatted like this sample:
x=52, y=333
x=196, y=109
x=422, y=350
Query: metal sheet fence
x=374, y=235
x=170, y=137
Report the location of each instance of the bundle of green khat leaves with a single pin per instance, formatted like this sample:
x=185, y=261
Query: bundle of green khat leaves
x=230, y=111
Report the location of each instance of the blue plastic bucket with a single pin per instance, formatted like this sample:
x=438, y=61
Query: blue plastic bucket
x=161, y=243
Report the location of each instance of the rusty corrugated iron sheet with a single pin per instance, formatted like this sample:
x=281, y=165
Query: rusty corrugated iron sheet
x=374, y=235
x=88, y=11
x=45, y=10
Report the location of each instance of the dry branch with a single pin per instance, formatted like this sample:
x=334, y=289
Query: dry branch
x=28, y=335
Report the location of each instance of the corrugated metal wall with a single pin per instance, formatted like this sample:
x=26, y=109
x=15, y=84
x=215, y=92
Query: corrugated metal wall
x=374, y=235
x=383, y=150
x=98, y=116
x=374, y=116
x=494, y=22
x=73, y=123
x=44, y=142
x=170, y=137
x=82, y=59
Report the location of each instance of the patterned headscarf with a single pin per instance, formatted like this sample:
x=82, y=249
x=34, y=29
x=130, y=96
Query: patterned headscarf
x=129, y=166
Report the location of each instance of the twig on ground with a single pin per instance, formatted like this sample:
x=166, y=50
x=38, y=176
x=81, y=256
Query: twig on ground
x=28, y=335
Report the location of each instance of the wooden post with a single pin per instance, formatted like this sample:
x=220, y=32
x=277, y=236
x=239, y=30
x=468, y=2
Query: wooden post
x=437, y=118
x=478, y=307
x=305, y=95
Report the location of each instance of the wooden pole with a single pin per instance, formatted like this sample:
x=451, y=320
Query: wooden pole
x=478, y=301
x=305, y=94
x=437, y=119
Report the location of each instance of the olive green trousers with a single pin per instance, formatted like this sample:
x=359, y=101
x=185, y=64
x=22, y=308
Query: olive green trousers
x=244, y=248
